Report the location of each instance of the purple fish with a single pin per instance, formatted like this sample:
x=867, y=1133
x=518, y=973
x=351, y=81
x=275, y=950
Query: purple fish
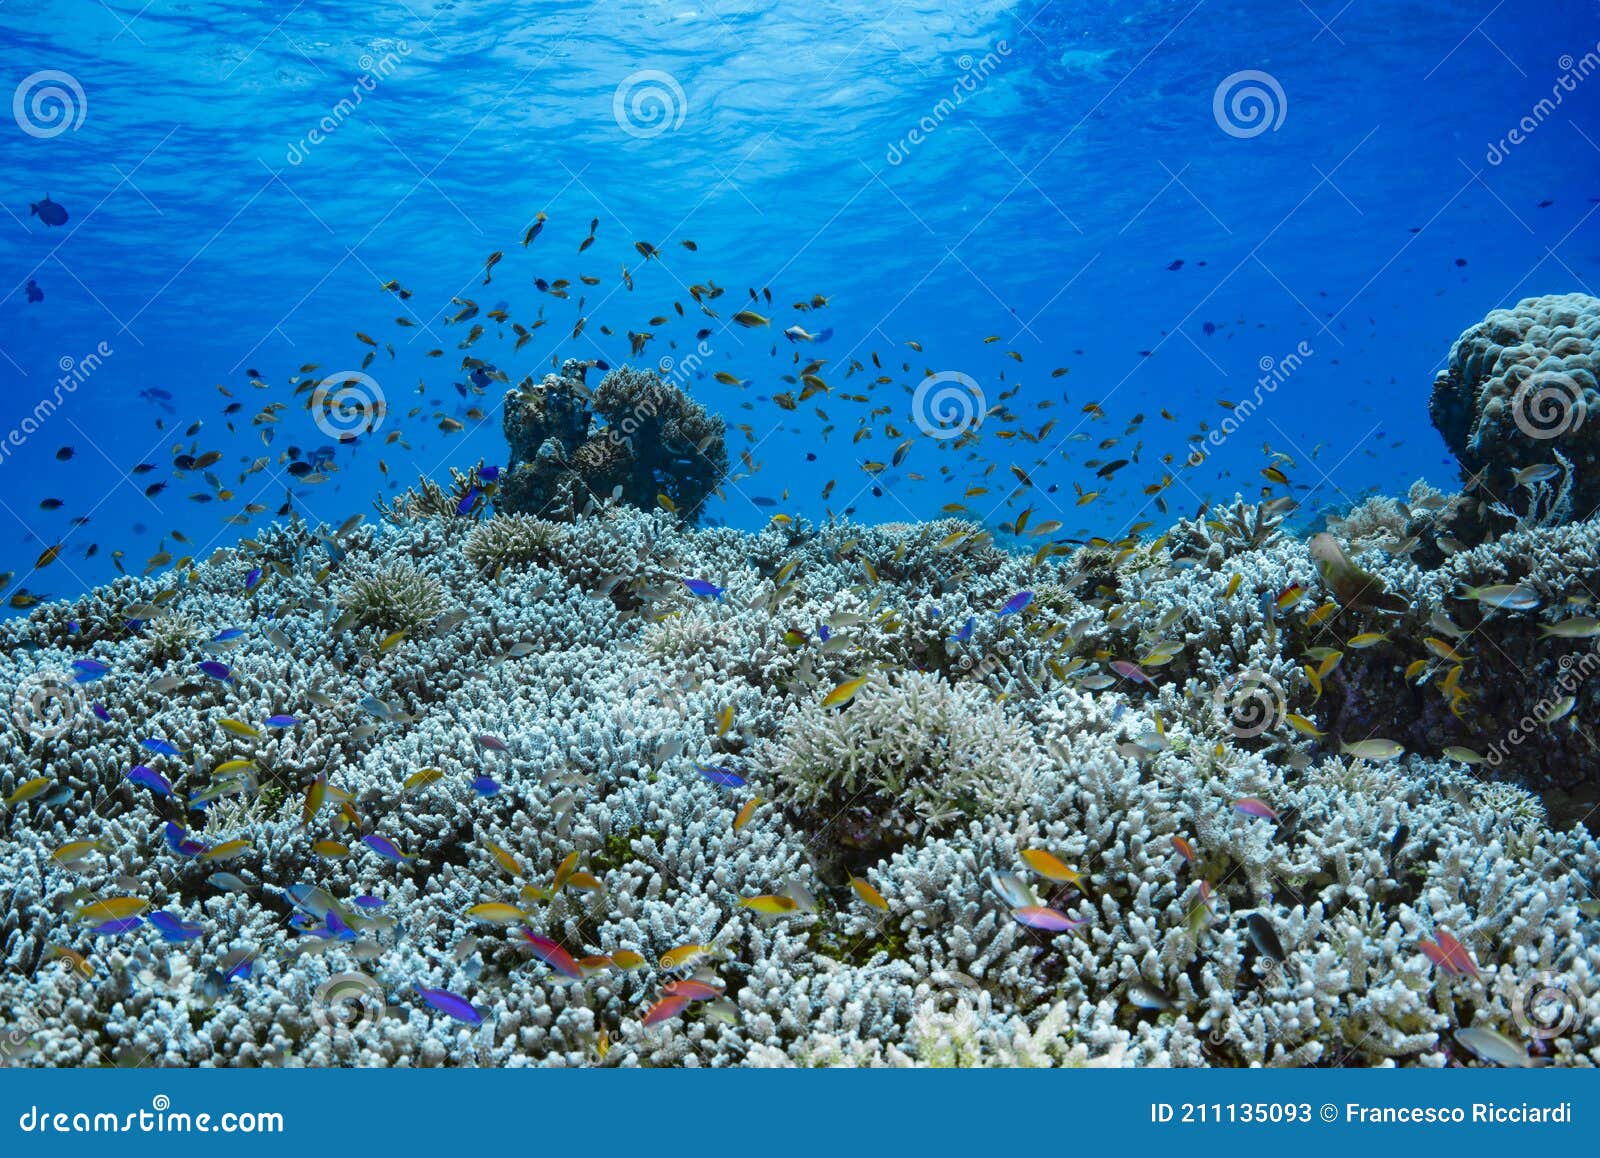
x=117, y=928
x=721, y=777
x=217, y=671
x=485, y=786
x=385, y=848
x=1250, y=806
x=160, y=747
x=151, y=779
x=251, y=579
x=178, y=841
x=88, y=670
x=451, y=1004
x=966, y=629
x=470, y=500
x=489, y=474
x=704, y=588
x=1039, y=917
x=493, y=743
x=226, y=634
x=824, y=633
x=282, y=722
x=1017, y=602
x=369, y=902
x=173, y=930
x=100, y=712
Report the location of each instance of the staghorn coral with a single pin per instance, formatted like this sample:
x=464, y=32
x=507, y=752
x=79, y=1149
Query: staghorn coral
x=605, y=716
x=1518, y=385
x=634, y=437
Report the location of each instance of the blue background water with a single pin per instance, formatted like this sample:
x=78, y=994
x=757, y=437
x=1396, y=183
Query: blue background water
x=209, y=236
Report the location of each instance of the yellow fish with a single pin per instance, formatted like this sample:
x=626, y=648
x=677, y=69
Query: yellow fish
x=113, y=909
x=1049, y=867
x=496, y=913
x=770, y=904
x=869, y=894
x=844, y=693
x=239, y=728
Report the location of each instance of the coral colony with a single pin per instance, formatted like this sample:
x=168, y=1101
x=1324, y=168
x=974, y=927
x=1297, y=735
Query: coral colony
x=532, y=770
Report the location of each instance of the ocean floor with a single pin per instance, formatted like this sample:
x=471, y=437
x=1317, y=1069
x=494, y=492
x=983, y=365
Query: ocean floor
x=436, y=789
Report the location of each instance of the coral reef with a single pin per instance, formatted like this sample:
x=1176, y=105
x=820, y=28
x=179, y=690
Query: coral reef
x=1520, y=385
x=634, y=438
x=579, y=749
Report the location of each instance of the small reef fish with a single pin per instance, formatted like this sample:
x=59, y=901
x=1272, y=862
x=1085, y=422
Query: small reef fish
x=1376, y=750
x=450, y=1004
x=704, y=588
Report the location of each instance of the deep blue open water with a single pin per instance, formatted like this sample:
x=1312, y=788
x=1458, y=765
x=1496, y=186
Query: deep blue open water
x=1075, y=183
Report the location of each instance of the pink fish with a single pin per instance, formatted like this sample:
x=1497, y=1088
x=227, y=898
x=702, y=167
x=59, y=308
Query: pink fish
x=1131, y=671
x=693, y=990
x=1040, y=917
x=666, y=1009
x=493, y=743
x=554, y=955
x=1449, y=954
x=1250, y=806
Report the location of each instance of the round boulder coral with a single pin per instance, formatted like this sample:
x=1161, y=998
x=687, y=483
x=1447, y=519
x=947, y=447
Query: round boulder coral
x=1520, y=389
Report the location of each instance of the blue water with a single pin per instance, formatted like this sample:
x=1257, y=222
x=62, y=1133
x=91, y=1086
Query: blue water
x=810, y=148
